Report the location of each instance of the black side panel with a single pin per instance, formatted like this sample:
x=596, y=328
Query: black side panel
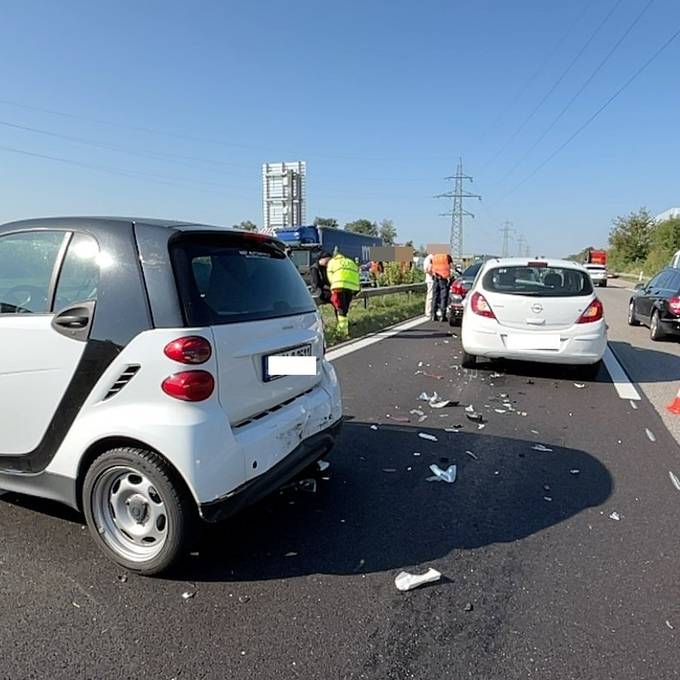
x=158, y=275
x=122, y=313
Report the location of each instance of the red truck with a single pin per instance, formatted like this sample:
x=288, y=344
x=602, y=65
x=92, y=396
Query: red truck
x=596, y=257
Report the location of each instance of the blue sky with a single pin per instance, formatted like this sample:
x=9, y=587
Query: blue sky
x=180, y=103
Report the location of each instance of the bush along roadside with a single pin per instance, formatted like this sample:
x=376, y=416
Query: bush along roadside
x=381, y=312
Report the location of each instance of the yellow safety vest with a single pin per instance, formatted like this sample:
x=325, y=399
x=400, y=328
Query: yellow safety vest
x=343, y=273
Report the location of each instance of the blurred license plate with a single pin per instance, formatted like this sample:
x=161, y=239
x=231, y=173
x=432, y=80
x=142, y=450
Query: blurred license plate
x=532, y=341
x=295, y=361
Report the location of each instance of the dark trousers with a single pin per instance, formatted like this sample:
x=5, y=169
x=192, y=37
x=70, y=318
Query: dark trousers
x=441, y=297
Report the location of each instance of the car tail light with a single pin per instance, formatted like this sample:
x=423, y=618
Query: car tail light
x=458, y=288
x=191, y=349
x=674, y=305
x=480, y=306
x=189, y=385
x=594, y=312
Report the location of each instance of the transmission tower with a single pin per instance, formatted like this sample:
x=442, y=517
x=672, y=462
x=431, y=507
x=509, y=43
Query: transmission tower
x=506, y=230
x=458, y=195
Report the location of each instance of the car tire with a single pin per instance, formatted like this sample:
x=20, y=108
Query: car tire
x=138, y=511
x=655, y=330
x=632, y=319
x=603, y=284
x=468, y=360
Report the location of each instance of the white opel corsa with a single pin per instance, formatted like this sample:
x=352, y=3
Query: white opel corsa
x=544, y=311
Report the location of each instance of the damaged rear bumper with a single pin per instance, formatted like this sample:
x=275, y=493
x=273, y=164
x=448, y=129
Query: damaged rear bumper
x=307, y=452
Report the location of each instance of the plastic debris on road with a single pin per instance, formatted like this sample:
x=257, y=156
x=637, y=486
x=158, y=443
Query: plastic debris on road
x=401, y=419
x=188, y=594
x=496, y=375
x=579, y=386
x=472, y=455
x=417, y=453
x=475, y=417
x=615, y=516
x=422, y=418
x=123, y=578
x=650, y=435
x=429, y=437
x=547, y=498
x=449, y=475
x=674, y=480
x=633, y=405
x=424, y=396
x=374, y=427
x=500, y=410
x=416, y=412
x=308, y=485
x=481, y=426
x=323, y=465
x=540, y=447
x=439, y=404
x=389, y=470
x=574, y=471
x=405, y=581
x=470, y=409
x=669, y=625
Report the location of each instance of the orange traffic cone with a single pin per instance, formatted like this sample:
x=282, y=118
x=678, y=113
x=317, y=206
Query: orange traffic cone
x=674, y=406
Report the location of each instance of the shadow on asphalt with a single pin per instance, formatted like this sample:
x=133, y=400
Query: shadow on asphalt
x=375, y=514
x=528, y=369
x=647, y=365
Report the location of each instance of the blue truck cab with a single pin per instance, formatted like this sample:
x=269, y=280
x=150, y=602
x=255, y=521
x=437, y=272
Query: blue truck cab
x=305, y=244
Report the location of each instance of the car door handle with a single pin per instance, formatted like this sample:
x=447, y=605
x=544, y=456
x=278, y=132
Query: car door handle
x=72, y=321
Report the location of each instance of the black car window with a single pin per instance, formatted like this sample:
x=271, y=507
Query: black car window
x=79, y=277
x=654, y=283
x=27, y=261
x=664, y=280
x=674, y=282
x=537, y=281
x=472, y=270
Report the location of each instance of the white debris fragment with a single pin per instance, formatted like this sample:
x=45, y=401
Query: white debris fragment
x=535, y=432
x=292, y=553
x=452, y=429
x=423, y=397
x=472, y=455
x=574, y=471
x=417, y=453
x=429, y=437
x=416, y=412
x=674, y=480
x=481, y=426
x=188, y=594
x=422, y=418
x=669, y=625
x=579, y=386
x=420, y=364
x=547, y=498
x=323, y=465
x=633, y=405
x=496, y=375
x=650, y=435
x=540, y=447
x=615, y=516
x=75, y=604
x=405, y=581
x=470, y=409
x=439, y=404
x=448, y=475
x=374, y=427
x=500, y=410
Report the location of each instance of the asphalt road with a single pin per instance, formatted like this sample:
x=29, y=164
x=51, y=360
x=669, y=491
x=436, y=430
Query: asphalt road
x=538, y=580
x=653, y=366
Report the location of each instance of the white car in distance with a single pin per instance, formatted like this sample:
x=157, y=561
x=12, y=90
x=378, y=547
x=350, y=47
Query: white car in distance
x=544, y=311
x=598, y=273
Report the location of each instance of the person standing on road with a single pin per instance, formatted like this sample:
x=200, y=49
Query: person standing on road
x=441, y=271
x=343, y=276
x=429, y=282
x=320, y=285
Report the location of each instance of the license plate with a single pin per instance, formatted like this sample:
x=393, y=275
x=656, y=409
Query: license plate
x=537, y=341
x=284, y=363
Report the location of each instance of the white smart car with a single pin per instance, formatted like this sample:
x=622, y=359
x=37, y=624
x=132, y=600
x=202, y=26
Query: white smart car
x=544, y=311
x=137, y=379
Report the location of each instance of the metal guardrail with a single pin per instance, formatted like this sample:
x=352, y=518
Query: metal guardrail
x=366, y=293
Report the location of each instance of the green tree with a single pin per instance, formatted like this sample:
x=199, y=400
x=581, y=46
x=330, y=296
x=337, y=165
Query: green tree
x=325, y=222
x=362, y=227
x=247, y=225
x=630, y=238
x=665, y=242
x=388, y=232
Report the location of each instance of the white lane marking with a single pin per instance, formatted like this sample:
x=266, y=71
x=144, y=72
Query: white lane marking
x=623, y=385
x=371, y=340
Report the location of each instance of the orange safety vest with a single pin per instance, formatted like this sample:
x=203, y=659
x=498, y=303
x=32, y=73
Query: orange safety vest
x=441, y=266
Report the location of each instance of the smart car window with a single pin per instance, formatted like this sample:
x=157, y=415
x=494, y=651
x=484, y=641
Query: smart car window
x=27, y=261
x=79, y=277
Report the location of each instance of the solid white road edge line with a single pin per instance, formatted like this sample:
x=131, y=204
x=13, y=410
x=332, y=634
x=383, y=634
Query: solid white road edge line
x=334, y=354
x=623, y=385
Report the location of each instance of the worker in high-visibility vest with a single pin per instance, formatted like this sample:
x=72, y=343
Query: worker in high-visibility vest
x=343, y=276
x=441, y=273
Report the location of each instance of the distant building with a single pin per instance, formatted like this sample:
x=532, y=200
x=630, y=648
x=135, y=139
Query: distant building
x=667, y=215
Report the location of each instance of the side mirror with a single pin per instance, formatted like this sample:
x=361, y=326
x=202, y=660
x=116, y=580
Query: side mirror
x=639, y=286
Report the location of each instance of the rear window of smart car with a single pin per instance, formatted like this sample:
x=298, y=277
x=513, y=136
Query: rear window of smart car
x=233, y=278
x=538, y=281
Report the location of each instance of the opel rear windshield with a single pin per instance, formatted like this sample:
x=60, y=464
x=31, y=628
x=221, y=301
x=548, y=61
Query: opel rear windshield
x=234, y=277
x=538, y=281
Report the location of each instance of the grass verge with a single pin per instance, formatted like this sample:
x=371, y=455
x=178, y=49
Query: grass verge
x=382, y=311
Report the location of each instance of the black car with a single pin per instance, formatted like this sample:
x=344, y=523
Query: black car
x=459, y=288
x=657, y=304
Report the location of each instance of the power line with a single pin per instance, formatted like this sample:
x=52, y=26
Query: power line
x=542, y=64
x=589, y=120
x=587, y=82
x=506, y=230
x=557, y=83
x=457, y=213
